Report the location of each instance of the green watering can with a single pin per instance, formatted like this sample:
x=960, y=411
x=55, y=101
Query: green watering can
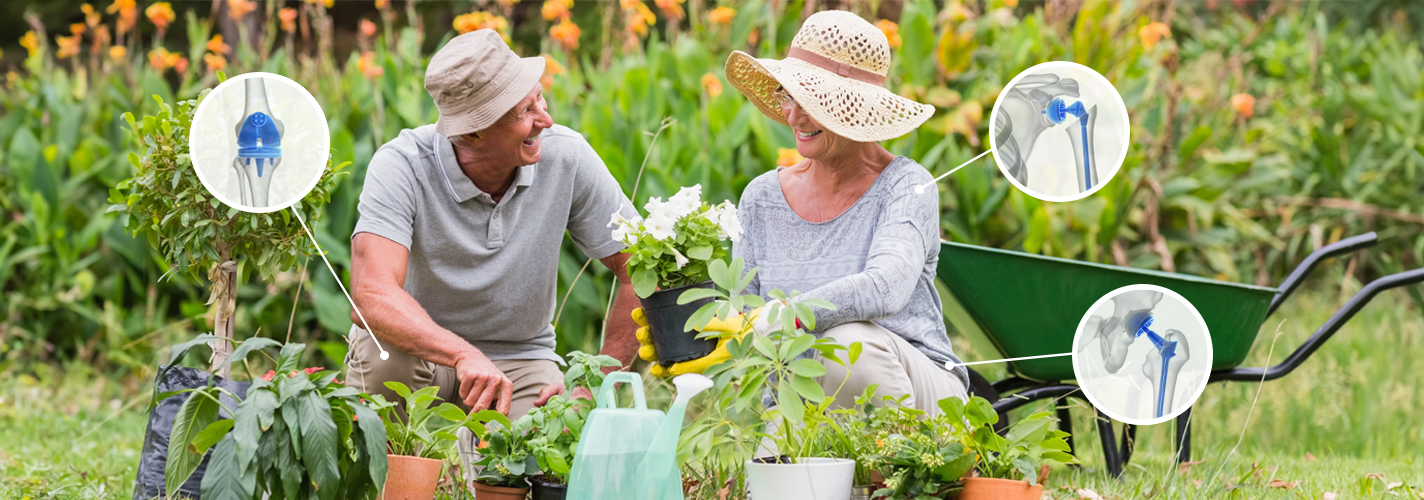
x=631, y=453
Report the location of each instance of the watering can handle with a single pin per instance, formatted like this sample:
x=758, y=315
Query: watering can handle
x=606, y=396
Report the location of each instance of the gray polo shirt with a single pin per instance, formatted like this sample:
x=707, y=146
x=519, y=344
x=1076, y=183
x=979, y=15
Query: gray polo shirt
x=484, y=270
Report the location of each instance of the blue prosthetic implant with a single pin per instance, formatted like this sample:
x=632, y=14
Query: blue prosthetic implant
x=1022, y=119
x=1081, y=137
x=259, y=144
x=1163, y=366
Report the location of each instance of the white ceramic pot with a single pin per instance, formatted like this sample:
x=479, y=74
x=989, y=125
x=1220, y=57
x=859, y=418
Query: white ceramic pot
x=807, y=479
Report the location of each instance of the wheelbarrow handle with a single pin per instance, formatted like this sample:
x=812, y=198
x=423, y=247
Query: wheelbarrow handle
x=1323, y=333
x=1344, y=246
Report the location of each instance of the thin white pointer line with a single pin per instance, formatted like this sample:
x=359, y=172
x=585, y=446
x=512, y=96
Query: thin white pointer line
x=952, y=365
x=921, y=188
x=384, y=355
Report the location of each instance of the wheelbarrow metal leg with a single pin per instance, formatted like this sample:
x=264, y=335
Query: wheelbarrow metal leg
x=1129, y=442
x=1184, y=436
x=1110, y=450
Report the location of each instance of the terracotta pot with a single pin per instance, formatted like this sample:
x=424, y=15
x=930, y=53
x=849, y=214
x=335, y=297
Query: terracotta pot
x=981, y=488
x=487, y=492
x=411, y=478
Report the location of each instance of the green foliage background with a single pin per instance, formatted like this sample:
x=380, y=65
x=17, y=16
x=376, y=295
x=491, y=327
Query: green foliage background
x=1332, y=147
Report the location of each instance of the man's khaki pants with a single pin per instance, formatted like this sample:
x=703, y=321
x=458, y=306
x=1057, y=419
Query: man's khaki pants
x=888, y=360
x=368, y=373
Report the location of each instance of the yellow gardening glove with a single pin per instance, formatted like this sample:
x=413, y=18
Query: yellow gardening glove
x=732, y=324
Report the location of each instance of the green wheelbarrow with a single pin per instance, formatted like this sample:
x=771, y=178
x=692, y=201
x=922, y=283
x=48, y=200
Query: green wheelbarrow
x=1030, y=305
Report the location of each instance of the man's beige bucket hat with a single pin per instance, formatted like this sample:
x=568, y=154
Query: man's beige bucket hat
x=475, y=79
x=836, y=72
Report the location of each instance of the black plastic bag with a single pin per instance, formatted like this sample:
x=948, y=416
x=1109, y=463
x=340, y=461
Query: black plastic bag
x=149, y=483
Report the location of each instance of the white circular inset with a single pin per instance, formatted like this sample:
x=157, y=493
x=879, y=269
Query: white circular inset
x=1142, y=354
x=259, y=142
x=1059, y=131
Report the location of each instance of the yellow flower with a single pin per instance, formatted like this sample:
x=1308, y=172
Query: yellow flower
x=557, y=9
x=712, y=85
x=891, y=30
x=788, y=157
x=507, y=3
x=1245, y=104
x=327, y=3
x=215, y=62
x=10, y=79
x=482, y=20
x=238, y=9
x=68, y=46
x=288, y=16
x=30, y=42
x=1153, y=33
x=118, y=52
x=566, y=33
x=671, y=8
x=722, y=15
x=217, y=46
x=160, y=14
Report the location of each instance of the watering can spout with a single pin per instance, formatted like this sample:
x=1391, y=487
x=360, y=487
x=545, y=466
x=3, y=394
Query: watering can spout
x=657, y=473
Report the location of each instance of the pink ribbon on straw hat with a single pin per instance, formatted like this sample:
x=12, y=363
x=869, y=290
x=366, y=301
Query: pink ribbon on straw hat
x=837, y=67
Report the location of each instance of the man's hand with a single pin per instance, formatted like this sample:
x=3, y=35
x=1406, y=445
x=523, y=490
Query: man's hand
x=734, y=325
x=548, y=392
x=482, y=385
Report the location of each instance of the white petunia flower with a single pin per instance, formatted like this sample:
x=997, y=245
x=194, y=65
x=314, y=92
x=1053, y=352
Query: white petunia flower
x=624, y=227
x=681, y=260
x=728, y=222
x=659, y=225
x=686, y=201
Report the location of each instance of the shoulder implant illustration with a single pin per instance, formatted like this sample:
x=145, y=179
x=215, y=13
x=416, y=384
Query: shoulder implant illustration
x=1038, y=103
x=259, y=145
x=1131, y=320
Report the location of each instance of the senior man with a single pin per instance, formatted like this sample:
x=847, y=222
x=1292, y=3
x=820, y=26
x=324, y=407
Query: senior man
x=454, y=259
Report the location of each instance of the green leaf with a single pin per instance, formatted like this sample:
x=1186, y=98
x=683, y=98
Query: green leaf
x=196, y=414
x=695, y=294
x=717, y=270
x=700, y=252
x=1059, y=456
x=227, y=477
x=373, y=435
x=210, y=435
x=1025, y=467
x=246, y=347
x=957, y=467
x=808, y=388
x=290, y=358
x=319, y=444
x=790, y=405
x=645, y=281
x=254, y=416
x=854, y=353
x=1028, y=430
x=807, y=368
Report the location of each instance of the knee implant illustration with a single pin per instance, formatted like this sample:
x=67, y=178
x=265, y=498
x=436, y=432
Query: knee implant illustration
x=1132, y=319
x=259, y=145
x=1034, y=105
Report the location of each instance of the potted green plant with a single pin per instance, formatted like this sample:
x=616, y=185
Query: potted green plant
x=299, y=433
x=669, y=252
x=773, y=377
x=555, y=428
x=1008, y=464
x=422, y=438
x=916, y=457
x=505, y=462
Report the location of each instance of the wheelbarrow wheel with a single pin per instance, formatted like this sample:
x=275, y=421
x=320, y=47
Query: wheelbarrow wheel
x=980, y=386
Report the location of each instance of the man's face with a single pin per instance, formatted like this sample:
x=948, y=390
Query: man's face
x=514, y=138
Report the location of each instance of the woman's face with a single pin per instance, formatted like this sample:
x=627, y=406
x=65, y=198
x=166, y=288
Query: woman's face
x=812, y=140
x=514, y=139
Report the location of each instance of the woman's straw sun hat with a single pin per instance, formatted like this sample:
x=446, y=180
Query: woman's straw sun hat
x=836, y=72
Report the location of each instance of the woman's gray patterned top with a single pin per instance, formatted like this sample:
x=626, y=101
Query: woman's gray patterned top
x=875, y=262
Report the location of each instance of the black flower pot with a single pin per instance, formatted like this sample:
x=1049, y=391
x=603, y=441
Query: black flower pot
x=667, y=321
x=548, y=491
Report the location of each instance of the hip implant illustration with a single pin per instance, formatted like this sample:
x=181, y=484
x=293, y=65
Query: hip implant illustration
x=1131, y=320
x=259, y=145
x=1033, y=106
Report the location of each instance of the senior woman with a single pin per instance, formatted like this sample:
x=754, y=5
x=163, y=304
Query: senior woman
x=846, y=224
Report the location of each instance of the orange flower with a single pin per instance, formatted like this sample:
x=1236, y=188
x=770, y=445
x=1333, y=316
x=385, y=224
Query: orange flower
x=90, y=16
x=722, y=15
x=566, y=33
x=1245, y=104
x=30, y=42
x=787, y=157
x=367, y=66
x=180, y=66
x=161, y=60
x=891, y=31
x=640, y=17
x=238, y=9
x=552, y=66
x=215, y=62
x=557, y=9
x=671, y=8
x=712, y=85
x=368, y=28
x=128, y=14
x=217, y=46
x=160, y=14
x=118, y=52
x=1153, y=33
x=507, y=3
x=381, y=4
x=328, y=3
x=482, y=20
x=77, y=29
x=754, y=36
x=68, y=46
x=288, y=16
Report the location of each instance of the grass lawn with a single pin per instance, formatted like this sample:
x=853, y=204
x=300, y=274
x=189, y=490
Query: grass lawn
x=1345, y=424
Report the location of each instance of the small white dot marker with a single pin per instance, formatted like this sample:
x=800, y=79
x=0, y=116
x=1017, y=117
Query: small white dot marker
x=385, y=355
x=920, y=189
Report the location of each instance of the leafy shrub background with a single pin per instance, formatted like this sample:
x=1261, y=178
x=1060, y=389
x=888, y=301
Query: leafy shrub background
x=1329, y=147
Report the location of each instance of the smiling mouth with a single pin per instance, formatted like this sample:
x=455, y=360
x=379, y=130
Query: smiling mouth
x=806, y=136
x=532, y=141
